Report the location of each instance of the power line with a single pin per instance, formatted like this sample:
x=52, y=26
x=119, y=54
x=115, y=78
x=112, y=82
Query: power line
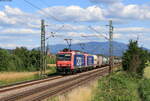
x=85, y=38
x=98, y=32
x=58, y=20
x=53, y=33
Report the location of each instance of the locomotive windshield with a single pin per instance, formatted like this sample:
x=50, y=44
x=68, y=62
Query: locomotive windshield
x=63, y=57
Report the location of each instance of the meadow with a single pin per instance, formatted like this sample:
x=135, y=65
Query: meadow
x=14, y=77
x=147, y=71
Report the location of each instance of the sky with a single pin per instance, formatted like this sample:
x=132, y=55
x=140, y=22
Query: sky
x=80, y=20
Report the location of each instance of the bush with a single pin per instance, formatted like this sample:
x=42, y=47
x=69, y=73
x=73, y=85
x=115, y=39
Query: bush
x=135, y=58
x=117, y=87
x=144, y=90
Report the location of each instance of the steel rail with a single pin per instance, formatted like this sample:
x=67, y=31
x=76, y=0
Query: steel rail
x=28, y=83
x=51, y=87
x=67, y=87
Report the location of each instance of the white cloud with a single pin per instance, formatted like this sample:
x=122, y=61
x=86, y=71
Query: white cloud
x=12, y=46
x=117, y=35
x=19, y=31
x=66, y=27
x=14, y=17
x=13, y=11
x=133, y=29
x=75, y=13
x=118, y=12
x=128, y=12
x=15, y=21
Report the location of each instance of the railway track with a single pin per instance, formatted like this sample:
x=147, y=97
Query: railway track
x=25, y=84
x=39, y=90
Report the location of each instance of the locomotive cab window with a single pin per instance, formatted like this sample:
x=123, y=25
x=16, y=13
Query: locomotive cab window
x=63, y=57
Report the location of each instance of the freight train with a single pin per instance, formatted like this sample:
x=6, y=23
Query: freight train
x=72, y=61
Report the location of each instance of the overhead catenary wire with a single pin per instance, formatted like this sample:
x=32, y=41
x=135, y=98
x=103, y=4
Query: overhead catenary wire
x=58, y=20
x=55, y=18
x=98, y=32
x=53, y=34
x=87, y=39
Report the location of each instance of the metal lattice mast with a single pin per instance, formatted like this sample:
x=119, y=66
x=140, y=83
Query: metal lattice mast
x=43, y=49
x=111, y=60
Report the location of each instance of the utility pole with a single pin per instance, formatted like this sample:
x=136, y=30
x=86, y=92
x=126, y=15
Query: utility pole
x=111, y=58
x=43, y=50
x=48, y=50
x=69, y=43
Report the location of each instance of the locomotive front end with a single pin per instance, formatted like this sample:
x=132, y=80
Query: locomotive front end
x=64, y=62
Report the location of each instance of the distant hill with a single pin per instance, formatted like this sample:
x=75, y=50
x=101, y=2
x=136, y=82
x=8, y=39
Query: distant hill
x=93, y=48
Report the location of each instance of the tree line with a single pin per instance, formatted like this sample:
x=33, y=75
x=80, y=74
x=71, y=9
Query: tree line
x=21, y=59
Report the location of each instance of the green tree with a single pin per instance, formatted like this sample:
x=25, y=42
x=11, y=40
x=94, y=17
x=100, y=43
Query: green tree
x=135, y=58
x=23, y=54
x=4, y=59
x=15, y=63
x=35, y=59
x=21, y=59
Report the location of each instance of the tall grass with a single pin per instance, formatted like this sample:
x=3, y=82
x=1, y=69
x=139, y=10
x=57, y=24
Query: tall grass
x=144, y=90
x=82, y=93
x=147, y=72
x=117, y=87
x=13, y=77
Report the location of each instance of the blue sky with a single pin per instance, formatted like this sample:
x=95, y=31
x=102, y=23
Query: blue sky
x=20, y=22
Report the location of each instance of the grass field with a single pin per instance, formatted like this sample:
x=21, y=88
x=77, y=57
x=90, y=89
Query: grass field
x=13, y=77
x=147, y=71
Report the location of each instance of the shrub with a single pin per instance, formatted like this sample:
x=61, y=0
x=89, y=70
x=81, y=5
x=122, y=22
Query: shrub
x=144, y=90
x=135, y=58
x=117, y=87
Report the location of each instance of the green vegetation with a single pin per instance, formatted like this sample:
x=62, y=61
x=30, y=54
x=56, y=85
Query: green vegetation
x=14, y=77
x=21, y=59
x=131, y=84
x=144, y=90
x=147, y=72
x=124, y=86
x=135, y=58
x=21, y=64
x=117, y=87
